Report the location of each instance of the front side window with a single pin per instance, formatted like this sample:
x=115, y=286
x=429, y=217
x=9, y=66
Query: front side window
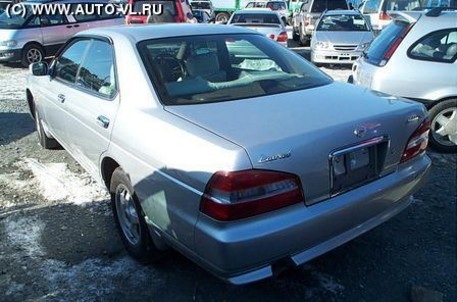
x=342, y=23
x=96, y=73
x=217, y=68
x=66, y=66
x=439, y=46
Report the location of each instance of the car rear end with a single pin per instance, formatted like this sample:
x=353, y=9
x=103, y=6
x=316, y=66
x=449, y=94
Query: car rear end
x=378, y=68
x=316, y=9
x=311, y=188
x=263, y=21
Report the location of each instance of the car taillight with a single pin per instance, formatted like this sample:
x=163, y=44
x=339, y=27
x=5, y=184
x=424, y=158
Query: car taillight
x=391, y=50
x=241, y=194
x=418, y=141
x=282, y=37
x=384, y=16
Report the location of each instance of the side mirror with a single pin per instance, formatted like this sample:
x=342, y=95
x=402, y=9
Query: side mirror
x=39, y=69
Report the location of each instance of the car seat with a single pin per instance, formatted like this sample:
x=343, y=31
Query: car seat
x=206, y=66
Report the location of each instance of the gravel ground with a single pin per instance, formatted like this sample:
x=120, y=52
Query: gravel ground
x=58, y=240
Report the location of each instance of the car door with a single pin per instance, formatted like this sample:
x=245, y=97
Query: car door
x=62, y=77
x=92, y=105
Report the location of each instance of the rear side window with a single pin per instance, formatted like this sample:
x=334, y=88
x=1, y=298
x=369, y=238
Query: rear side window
x=97, y=70
x=320, y=6
x=438, y=46
x=380, y=46
x=67, y=64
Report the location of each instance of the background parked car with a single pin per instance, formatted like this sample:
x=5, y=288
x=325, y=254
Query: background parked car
x=377, y=11
x=31, y=38
x=340, y=37
x=278, y=6
x=415, y=57
x=266, y=22
x=310, y=11
x=255, y=154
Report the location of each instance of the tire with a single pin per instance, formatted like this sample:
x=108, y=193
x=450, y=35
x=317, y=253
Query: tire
x=126, y=209
x=45, y=141
x=222, y=17
x=443, y=128
x=32, y=53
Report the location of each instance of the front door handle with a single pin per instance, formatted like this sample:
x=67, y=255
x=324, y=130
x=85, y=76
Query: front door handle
x=61, y=98
x=103, y=121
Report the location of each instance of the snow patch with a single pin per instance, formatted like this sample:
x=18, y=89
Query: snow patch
x=57, y=182
x=98, y=278
x=25, y=233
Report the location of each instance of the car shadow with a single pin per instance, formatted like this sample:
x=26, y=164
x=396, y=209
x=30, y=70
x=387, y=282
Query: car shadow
x=14, y=126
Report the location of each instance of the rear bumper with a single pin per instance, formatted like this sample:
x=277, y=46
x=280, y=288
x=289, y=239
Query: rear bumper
x=248, y=250
x=335, y=57
x=12, y=55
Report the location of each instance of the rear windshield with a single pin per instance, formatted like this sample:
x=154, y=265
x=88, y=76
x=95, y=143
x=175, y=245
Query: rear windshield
x=342, y=23
x=255, y=18
x=320, y=6
x=378, y=48
x=217, y=68
x=402, y=5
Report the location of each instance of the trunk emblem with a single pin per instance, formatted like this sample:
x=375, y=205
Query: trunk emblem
x=360, y=131
x=265, y=158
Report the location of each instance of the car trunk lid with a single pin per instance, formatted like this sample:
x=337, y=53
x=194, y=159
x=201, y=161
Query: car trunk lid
x=297, y=132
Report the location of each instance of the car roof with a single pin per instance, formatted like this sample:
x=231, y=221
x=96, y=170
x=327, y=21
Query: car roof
x=137, y=33
x=444, y=17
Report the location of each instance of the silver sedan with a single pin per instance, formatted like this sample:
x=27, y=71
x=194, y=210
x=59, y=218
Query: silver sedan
x=220, y=143
x=340, y=37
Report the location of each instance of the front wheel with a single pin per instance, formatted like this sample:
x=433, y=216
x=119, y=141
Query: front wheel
x=45, y=141
x=222, y=17
x=129, y=218
x=443, y=128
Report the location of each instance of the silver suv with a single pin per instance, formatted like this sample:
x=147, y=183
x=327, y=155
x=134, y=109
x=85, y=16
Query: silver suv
x=415, y=57
x=31, y=38
x=309, y=12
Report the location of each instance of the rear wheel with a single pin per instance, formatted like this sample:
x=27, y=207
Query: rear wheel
x=130, y=219
x=32, y=53
x=443, y=128
x=45, y=141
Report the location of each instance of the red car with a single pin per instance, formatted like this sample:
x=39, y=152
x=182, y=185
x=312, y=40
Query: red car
x=174, y=11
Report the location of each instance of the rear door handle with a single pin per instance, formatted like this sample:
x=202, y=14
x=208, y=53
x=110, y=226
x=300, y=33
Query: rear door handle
x=69, y=26
x=77, y=25
x=61, y=98
x=103, y=121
